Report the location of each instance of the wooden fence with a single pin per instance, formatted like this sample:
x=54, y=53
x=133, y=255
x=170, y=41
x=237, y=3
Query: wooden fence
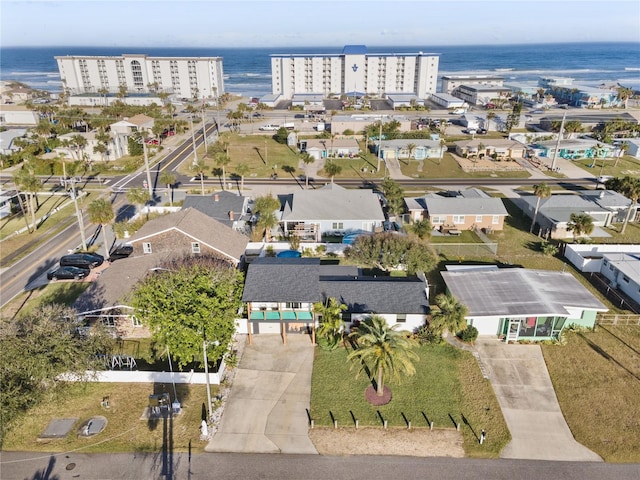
x=617, y=319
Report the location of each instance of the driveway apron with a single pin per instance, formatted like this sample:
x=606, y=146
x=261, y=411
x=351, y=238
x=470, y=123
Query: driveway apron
x=521, y=381
x=266, y=411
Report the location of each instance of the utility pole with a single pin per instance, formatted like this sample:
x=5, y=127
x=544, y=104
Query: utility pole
x=555, y=152
x=74, y=197
x=206, y=373
x=146, y=166
x=204, y=127
x=193, y=140
x=379, y=145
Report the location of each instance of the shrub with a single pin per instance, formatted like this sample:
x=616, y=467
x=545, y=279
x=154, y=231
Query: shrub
x=429, y=335
x=469, y=334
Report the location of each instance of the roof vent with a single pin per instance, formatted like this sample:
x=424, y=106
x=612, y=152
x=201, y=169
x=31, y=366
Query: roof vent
x=601, y=195
x=216, y=198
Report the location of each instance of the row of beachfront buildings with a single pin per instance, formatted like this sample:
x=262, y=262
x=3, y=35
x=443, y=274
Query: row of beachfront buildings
x=279, y=292
x=402, y=78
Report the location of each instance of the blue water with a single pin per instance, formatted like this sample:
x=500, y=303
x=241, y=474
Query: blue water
x=248, y=70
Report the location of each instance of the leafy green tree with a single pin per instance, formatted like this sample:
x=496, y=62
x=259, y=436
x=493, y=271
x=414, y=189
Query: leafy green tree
x=332, y=169
x=331, y=326
x=265, y=208
x=382, y=351
x=101, y=212
x=394, y=194
x=169, y=179
x=580, y=224
x=630, y=188
x=281, y=135
x=387, y=251
x=37, y=347
x=191, y=304
x=540, y=190
x=449, y=314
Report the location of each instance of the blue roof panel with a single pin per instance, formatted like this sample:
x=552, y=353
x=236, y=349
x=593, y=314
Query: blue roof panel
x=354, y=50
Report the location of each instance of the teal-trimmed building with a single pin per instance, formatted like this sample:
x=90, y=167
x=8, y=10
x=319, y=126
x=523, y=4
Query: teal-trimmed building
x=522, y=304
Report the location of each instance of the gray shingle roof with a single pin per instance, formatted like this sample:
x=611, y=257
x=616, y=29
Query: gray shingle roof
x=272, y=279
x=305, y=280
x=519, y=292
x=200, y=227
x=218, y=209
x=469, y=202
x=115, y=283
x=333, y=202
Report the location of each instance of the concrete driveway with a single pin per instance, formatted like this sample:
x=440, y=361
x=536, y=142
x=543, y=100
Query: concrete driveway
x=266, y=411
x=528, y=401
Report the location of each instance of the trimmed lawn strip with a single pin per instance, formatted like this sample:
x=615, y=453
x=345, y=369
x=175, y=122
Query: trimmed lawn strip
x=125, y=431
x=59, y=292
x=596, y=377
x=447, y=167
x=435, y=392
x=626, y=165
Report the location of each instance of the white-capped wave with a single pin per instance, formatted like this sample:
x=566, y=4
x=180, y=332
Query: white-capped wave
x=33, y=74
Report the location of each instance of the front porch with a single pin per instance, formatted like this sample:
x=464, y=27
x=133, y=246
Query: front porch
x=281, y=321
x=534, y=328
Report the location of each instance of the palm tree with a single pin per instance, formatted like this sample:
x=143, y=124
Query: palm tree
x=199, y=168
x=101, y=213
x=332, y=169
x=222, y=159
x=450, y=314
x=411, y=148
x=169, y=179
x=490, y=116
x=265, y=207
x=331, y=326
x=540, y=190
x=625, y=94
x=630, y=188
x=422, y=228
x=382, y=351
x=242, y=169
x=580, y=224
x=27, y=182
x=308, y=160
x=139, y=196
x=597, y=151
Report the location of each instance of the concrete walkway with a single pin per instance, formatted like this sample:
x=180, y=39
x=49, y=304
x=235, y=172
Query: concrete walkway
x=521, y=382
x=266, y=411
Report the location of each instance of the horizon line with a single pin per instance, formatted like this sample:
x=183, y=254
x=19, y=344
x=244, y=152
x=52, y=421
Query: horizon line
x=193, y=47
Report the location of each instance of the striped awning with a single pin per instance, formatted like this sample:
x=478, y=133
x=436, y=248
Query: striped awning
x=281, y=316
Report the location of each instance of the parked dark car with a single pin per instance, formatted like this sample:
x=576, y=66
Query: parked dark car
x=68, y=273
x=121, y=251
x=82, y=260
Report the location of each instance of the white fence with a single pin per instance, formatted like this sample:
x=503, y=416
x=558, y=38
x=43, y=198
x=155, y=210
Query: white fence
x=135, y=376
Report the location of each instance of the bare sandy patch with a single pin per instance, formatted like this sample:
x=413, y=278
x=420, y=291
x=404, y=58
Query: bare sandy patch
x=393, y=441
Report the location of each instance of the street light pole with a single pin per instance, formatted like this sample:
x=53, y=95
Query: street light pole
x=206, y=373
x=74, y=196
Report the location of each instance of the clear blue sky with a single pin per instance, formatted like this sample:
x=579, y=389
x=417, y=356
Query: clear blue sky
x=244, y=23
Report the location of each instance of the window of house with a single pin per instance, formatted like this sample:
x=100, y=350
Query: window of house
x=136, y=321
x=437, y=220
x=611, y=267
x=195, y=247
x=401, y=317
x=146, y=247
x=337, y=225
x=293, y=305
x=625, y=279
x=108, y=320
x=458, y=219
x=495, y=220
x=478, y=218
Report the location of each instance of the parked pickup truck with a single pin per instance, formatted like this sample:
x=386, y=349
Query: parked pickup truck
x=269, y=128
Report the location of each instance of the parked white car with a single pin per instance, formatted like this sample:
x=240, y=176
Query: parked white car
x=269, y=128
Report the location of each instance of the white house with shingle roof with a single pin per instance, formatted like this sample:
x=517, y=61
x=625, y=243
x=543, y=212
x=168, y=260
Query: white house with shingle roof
x=329, y=210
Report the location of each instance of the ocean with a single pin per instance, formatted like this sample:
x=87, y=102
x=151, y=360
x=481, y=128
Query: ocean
x=248, y=70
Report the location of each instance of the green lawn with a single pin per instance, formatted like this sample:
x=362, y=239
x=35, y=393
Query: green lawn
x=447, y=167
x=596, y=377
x=59, y=292
x=125, y=430
x=448, y=386
x=626, y=165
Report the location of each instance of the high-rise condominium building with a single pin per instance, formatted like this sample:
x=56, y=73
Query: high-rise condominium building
x=185, y=77
x=355, y=70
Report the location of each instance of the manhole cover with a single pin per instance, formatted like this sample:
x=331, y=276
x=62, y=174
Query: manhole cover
x=71, y=466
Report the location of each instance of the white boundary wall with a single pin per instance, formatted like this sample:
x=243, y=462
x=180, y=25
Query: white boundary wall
x=588, y=258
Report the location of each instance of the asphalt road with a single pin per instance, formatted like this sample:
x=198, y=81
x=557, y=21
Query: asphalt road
x=35, y=465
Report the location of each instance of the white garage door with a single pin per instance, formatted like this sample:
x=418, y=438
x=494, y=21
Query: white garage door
x=486, y=326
